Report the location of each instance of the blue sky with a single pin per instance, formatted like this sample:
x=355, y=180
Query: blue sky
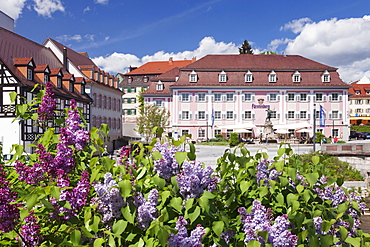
x=120, y=33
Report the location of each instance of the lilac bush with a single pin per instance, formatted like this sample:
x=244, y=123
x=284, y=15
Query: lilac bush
x=30, y=234
x=167, y=166
x=182, y=238
x=265, y=173
x=47, y=107
x=147, y=211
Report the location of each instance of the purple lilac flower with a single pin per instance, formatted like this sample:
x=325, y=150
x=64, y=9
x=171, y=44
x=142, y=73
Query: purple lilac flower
x=182, y=239
x=227, y=235
x=9, y=212
x=30, y=174
x=109, y=199
x=30, y=231
x=48, y=104
x=147, y=211
x=260, y=219
x=194, y=180
x=77, y=197
x=166, y=167
x=123, y=160
x=265, y=174
x=335, y=194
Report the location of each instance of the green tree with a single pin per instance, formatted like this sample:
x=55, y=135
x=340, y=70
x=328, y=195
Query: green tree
x=151, y=117
x=245, y=48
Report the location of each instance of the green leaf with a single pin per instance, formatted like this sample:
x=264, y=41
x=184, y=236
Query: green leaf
x=353, y=241
x=180, y=157
x=163, y=236
x=315, y=160
x=111, y=241
x=218, y=227
x=189, y=203
x=194, y=215
x=31, y=201
x=55, y=192
x=95, y=225
x=99, y=242
x=76, y=237
x=312, y=178
x=280, y=199
x=142, y=172
x=119, y=227
x=244, y=186
x=253, y=243
x=340, y=181
x=21, y=109
x=13, y=96
x=125, y=188
x=343, y=232
x=157, y=155
x=204, y=203
x=127, y=214
x=176, y=203
x=160, y=182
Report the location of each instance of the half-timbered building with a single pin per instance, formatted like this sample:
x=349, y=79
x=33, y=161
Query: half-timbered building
x=24, y=64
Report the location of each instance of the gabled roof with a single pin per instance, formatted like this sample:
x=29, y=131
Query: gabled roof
x=168, y=78
x=256, y=62
x=158, y=67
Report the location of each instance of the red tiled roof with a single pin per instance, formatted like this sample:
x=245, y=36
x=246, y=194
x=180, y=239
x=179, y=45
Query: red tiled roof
x=158, y=67
x=41, y=68
x=22, y=60
x=257, y=62
x=362, y=88
x=168, y=78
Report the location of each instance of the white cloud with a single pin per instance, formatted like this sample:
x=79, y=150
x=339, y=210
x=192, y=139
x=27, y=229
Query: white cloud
x=13, y=8
x=118, y=62
x=296, y=26
x=47, y=7
x=66, y=38
x=86, y=9
x=102, y=1
x=90, y=37
x=273, y=45
x=343, y=43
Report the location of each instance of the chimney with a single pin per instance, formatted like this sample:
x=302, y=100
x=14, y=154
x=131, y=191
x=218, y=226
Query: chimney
x=170, y=60
x=65, y=60
x=193, y=59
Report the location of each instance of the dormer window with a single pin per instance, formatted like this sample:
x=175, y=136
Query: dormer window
x=59, y=82
x=248, y=76
x=46, y=78
x=367, y=92
x=29, y=74
x=296, y=77
x=358, y=92
x=272, y=76
x=159, y=86
x=71, y=87
x=193, y=77
x=129, y=79
x=325, y=77
x=145, y=79
x=222, y=77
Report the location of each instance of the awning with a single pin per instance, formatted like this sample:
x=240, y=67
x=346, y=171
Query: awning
x=282, y=131
x=293, y=126
x=243, y=131
x=359, y=118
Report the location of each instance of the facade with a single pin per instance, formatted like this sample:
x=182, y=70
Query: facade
x=221, y=94
x=360, y=102
x=136, y=80
x=100, y=86
x=24, y=64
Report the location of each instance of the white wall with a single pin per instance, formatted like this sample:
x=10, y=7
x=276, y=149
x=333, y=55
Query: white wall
x=9, y=134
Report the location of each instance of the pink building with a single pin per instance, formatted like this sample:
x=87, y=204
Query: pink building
x=221, y=94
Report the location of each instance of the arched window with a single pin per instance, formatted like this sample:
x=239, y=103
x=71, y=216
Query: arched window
x=105, y=102
x=94, y=99
x=110, y=103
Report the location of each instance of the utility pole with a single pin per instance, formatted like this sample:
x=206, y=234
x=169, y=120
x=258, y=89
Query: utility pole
x=314, y=128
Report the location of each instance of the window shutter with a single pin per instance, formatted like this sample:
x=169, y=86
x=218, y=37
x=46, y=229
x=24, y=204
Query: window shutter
x=180, y=116
x=206, y=116
x=212, y=98
x=162, y=103
x=297, y=115
x=340, y=115
x=278, y=98
x=330, y=98
x=196, y=97
x=253, y=97
x=234, y=115
x=207, y=98
x=196, y=116
x=180, y=97
x=190, y=116
x=286, y=115
x=223, y=116
x=308, y=115
x=243, y=97
x=340, y=97
x=330, y=116
x=297, y=97
x=278, y=115
x=268, y=97
x=253, y=115
x=324, y=98
x=234, y=97
x=190, y=98
x=314, y=98
x=223, y=97
x=243, y=116
x=309, y=98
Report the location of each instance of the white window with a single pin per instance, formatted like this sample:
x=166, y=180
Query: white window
x=145, y=79
x=229, y=115
x=248, y=76
x=185, y=97
x=217, y=114
x=248, y=114
x=201, y=133
x=217, y=97
x=201, y=115
x=335, y=114
x=272, y=76
x=202, y=97
x=325, y=76
x=319, y=97
x=296, y=77
x=157, y=102
x=273, y=114
x=160, y=86
x=217, y=132
x=303, y=97
x=193, y=77
x=358, y=101
x=336, y=97
x=302, y=114
x=291, y=96
x=273, y=96
x=129, y=79
x=184, y=132
x=290, y=114
x=222, y=77
x=185, y=115
x=358, y=110
x=228, y=132
x=248, y=97
x=229, y=97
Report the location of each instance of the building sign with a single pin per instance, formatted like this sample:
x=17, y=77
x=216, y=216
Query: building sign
x=260, y=106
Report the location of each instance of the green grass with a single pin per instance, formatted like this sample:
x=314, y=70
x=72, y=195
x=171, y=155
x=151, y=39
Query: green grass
x=214, y=143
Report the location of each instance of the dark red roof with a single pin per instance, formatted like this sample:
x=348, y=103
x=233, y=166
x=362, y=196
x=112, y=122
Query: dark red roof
x=168, y=78
x=158, y=67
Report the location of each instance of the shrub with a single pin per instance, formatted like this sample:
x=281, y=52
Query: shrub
x=219, y=136
x=234, y=139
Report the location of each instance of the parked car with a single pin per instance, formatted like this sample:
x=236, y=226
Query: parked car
x=353, y=134
x=366, y=135
x=361, y=135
